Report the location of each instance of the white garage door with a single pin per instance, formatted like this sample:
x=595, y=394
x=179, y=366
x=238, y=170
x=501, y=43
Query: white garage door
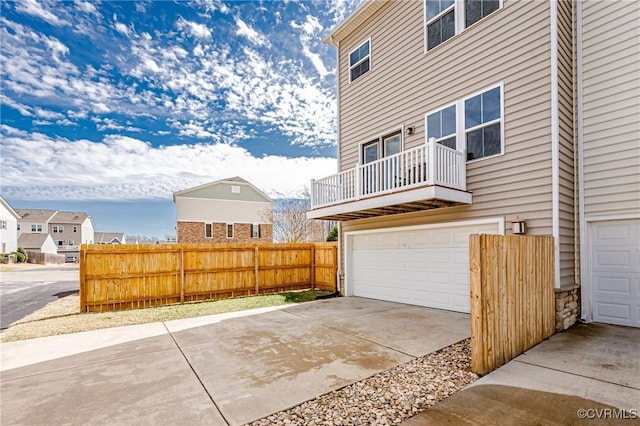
x=615, y=272
x=426, y=266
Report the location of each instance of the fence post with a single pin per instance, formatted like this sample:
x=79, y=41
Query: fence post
x=181, y=275
x=82, y=280
x=313, y=266
x=475, y=284
x=256, y=258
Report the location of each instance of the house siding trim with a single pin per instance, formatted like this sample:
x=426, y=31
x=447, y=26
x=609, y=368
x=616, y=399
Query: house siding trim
x=555, y=140
x=582, y=243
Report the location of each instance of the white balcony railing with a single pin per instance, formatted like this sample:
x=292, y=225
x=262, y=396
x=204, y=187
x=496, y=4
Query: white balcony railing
x=429, y=164
x=68, y=247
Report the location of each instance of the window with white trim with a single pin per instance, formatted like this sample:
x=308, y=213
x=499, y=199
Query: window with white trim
x=255, y=230
x=360, y=60
x=36, y=228
x=446, y=18
x=480, y=128
x=3, y=224
x=382, y=146
x=208, y=230
x=18, y=226
x=70, y=242
x=60, y=243
x=75, y=229
x=229, y=230
x=58, y=229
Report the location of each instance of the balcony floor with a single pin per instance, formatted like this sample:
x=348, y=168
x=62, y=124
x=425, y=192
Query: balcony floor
x=411, y=200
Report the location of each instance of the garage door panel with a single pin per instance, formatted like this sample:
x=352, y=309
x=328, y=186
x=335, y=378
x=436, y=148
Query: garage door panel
x=615, y=272
x=426, y=267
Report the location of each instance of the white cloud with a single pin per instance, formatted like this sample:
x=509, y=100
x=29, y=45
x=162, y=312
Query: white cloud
x=25, y=110
x=86, y=7
x=121, y=167
x=39, y=10
x=199, y=31
x=250, y=34
x=122, y=28
x=49, y=115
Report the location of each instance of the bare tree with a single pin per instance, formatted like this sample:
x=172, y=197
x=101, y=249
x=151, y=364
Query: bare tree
x=290, y=223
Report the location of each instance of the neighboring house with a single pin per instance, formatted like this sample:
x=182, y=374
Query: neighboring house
x=67, y=229
x=461, y=117
x=109, y=238
x=34, y=220
x=225, y=211
x=38, y=243
x=8, y=227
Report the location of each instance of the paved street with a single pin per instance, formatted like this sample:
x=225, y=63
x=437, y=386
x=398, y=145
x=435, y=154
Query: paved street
x=25, y=291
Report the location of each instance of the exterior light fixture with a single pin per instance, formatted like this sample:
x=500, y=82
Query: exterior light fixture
x=409, y=130
x=519, y=226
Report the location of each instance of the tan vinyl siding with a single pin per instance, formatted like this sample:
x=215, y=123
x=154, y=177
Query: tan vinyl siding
x=511, y=46
x=611, y=75
x=566, y=149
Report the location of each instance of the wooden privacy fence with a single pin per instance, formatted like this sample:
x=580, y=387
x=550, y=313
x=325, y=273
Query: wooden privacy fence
x=512, y=297
x=115, y=277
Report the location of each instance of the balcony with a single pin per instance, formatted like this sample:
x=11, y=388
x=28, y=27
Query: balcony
x=426, y=177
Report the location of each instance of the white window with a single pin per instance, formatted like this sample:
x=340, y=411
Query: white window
x=60, y=243
x=360, y=60
x=75, y=229
x=474, y=124
x=58, y=229
x=18, y=226
x=229, y=230
x=3, y=224
x=36, y=228
x=255, y=230
x=235, y=189
x=208, y=231
x=446, y=18
x=70, y=242
x=382, y=146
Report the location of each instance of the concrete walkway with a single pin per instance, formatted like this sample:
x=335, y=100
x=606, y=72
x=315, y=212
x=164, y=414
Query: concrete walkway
x=589, y=374
x=217, y=370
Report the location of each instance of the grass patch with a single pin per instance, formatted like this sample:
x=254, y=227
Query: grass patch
x=62, y=317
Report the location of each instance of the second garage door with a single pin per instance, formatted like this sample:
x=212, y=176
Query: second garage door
x=426, y=266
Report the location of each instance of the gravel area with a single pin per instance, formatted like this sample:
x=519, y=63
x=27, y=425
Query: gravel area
x=389, y=397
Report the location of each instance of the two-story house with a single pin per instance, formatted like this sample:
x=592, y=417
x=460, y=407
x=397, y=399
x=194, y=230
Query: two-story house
x=67, y=229
x=8, y=227
x=225, y=211
x=458, y=117
x=109, y=238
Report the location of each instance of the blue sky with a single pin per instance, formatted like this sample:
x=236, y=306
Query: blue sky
x=123, y=103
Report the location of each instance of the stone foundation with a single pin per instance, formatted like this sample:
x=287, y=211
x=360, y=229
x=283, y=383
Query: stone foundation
x=567, y=306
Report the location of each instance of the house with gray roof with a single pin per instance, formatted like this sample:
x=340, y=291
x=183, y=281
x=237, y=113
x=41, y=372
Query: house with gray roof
x=67, y=229
x=109, y=238
x=229, y=210
x=37, y=243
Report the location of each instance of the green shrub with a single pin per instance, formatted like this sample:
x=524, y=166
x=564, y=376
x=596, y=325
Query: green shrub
x=2, y=256
x=20, y=257
x=24, y=253
x=333, y=234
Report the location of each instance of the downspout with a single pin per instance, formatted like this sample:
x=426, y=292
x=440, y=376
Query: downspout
x=555, y=141
x=585, y=314
x=339, y=272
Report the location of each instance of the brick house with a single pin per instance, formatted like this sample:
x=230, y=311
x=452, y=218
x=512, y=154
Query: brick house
x=225, y=211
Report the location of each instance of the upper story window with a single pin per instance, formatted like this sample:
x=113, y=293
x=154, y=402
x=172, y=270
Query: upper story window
x=480, y=131
x=360, y=60
x=381, y=147
x=75, y=229
x=36, y=228
x=18, y=226
x=58, y=229
x=446, y=18
x=3, y=224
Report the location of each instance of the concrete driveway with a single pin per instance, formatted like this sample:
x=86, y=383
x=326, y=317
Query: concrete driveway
x=589, y=374
x=218, y=370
